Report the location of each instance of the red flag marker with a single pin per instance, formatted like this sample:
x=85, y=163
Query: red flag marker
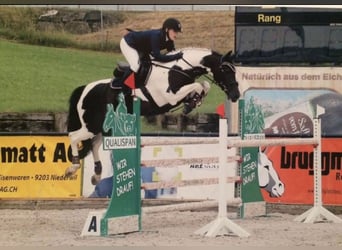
x=130, y=81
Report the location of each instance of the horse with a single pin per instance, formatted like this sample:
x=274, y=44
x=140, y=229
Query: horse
x=161, y=88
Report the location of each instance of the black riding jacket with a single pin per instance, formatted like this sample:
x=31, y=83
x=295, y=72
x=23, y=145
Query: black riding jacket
x=151, y=42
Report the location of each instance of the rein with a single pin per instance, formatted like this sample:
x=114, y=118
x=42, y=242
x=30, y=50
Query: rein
x=205, y=75
x=169, y=68
x=182, y=72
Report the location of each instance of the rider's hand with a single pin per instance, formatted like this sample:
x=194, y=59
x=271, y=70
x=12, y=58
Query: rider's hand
x=197, y=71
x=179, y=55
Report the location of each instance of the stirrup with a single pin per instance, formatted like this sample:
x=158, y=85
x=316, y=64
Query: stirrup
x=115, y=87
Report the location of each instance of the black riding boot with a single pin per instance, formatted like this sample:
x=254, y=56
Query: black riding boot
x=118, y=83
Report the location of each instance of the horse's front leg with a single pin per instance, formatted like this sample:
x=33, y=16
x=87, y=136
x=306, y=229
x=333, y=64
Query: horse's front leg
x=76, y=137
x=96, y=142
x=192, y=94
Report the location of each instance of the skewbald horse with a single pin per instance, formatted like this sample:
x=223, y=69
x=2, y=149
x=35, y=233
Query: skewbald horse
x=167, y=86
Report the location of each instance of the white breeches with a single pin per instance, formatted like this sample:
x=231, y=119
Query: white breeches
x=131, y=55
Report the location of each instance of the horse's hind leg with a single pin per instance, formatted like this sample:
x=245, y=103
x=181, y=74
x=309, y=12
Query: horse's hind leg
x=76, y=137
x=96, y=142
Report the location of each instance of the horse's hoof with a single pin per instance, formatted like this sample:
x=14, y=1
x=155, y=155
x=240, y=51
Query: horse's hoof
x=95, y=179
x=71, y=170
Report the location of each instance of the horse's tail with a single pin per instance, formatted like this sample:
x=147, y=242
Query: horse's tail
x=74, y=121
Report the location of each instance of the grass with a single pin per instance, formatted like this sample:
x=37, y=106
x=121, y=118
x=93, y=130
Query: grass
x=41, y=79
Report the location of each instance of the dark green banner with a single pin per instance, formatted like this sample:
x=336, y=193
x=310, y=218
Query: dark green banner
x=124, y=143
x=252, y=123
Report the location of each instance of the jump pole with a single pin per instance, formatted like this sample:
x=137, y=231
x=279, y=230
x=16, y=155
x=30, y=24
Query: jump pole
x=222, y=224
x=231, y=142
x=317, y=211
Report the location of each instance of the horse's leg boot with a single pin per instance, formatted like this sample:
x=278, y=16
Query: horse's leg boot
x=74, y=167
x=98, y=171
x=192, y=102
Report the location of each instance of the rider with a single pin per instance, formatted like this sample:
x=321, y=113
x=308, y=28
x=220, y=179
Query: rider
x=136, y=45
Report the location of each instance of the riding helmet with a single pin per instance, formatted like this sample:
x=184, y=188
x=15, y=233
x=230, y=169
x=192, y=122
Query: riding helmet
x=172, y=23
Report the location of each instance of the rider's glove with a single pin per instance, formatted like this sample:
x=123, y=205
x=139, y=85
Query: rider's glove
x=179, y=56
x=197, y=71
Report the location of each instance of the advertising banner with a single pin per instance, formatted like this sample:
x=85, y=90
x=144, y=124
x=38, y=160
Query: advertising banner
x=323, y=78
x=124, y=144
x=293, y=166
x=282, y=102
x=33, y=167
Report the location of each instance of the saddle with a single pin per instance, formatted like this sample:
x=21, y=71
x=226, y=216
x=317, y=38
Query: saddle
x=140, y=76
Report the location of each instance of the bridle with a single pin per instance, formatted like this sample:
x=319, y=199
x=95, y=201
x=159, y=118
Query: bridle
x=225, y=67
x=229, y=65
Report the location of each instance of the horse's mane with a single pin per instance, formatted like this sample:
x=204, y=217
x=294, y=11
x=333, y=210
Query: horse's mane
x=194, y=48
x=189, y=49
x=200, y=49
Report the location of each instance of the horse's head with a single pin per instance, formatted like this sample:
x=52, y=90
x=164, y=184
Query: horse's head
x=223, y=71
